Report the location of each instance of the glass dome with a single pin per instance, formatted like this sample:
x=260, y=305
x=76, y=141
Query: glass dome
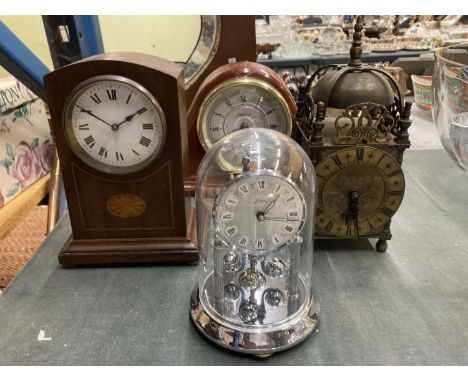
x=255, y=199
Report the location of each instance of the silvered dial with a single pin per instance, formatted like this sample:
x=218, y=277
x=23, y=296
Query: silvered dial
x=114, y=124
x=239, y=105
x=259, y=212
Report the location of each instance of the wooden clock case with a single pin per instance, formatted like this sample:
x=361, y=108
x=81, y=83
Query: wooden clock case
x=229, y=72
x=162, y=229
x=236, y=40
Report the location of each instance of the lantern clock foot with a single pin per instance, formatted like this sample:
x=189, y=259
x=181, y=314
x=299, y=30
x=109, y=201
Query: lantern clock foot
x=381, y=245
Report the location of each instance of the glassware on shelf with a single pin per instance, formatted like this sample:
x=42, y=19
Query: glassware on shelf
x=327, y=37
x=450, y=99
x=450, y=20
x=395, y=43
x=282, y=35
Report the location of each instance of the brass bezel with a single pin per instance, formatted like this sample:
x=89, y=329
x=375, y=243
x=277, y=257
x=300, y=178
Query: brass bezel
x=75, y=145
x=213, y=97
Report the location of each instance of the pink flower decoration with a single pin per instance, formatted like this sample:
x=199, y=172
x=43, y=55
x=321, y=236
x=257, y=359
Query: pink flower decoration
x=47, y=155
x=25, y=92
x=27, y=165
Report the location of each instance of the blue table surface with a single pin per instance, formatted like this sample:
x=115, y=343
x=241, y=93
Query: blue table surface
x=408, y=306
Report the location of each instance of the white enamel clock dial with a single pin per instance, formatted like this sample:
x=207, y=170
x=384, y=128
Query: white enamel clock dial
x=239, y=105
x=259, y=212
x=114, y=125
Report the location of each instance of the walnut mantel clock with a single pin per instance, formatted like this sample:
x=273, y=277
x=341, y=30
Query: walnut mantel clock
x=119, y=124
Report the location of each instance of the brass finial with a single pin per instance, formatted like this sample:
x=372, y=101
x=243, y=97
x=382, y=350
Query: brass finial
x=320, y=111
x=356, y=51
x=318, y=124
x=405, y=123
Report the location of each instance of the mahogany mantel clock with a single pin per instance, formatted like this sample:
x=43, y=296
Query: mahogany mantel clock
x=119, y=124
x=233, y=97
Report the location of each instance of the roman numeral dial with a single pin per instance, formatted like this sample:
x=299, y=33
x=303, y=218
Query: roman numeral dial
x=114, y=125
x=360, y=189
x=239, y=104
x=259, y=212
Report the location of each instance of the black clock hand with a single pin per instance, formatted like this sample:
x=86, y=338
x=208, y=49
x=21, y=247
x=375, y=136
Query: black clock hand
x=91, y=114
x=280, y=219
x=270, y=205
x=353, y=207
x=128, y=118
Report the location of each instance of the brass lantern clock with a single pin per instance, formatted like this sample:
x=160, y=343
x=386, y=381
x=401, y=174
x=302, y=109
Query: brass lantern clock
x=354, y=125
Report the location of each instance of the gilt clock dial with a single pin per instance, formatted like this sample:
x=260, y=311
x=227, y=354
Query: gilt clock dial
x=240, y=104
x=360, y=189
x=114, y=125
x=259, y=211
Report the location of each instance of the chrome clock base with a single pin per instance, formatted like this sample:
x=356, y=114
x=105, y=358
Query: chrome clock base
x=261, y=343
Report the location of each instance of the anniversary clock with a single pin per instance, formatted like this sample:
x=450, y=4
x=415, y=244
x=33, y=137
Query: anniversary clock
x=118, y=121
x=354, y=125
x=255, y=230
x=234, y=97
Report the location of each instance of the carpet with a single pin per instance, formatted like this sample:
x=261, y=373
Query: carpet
x=21, y=243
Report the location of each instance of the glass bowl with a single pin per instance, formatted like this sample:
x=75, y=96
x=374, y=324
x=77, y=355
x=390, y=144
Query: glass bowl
x=458, y=132
x=450, y=94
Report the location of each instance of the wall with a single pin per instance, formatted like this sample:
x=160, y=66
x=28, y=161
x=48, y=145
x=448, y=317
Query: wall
x=171, y=37
x=30, y=30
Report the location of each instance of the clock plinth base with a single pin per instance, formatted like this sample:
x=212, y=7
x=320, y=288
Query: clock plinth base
x=133, y=251
x=259, y=343
x=189, y=186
